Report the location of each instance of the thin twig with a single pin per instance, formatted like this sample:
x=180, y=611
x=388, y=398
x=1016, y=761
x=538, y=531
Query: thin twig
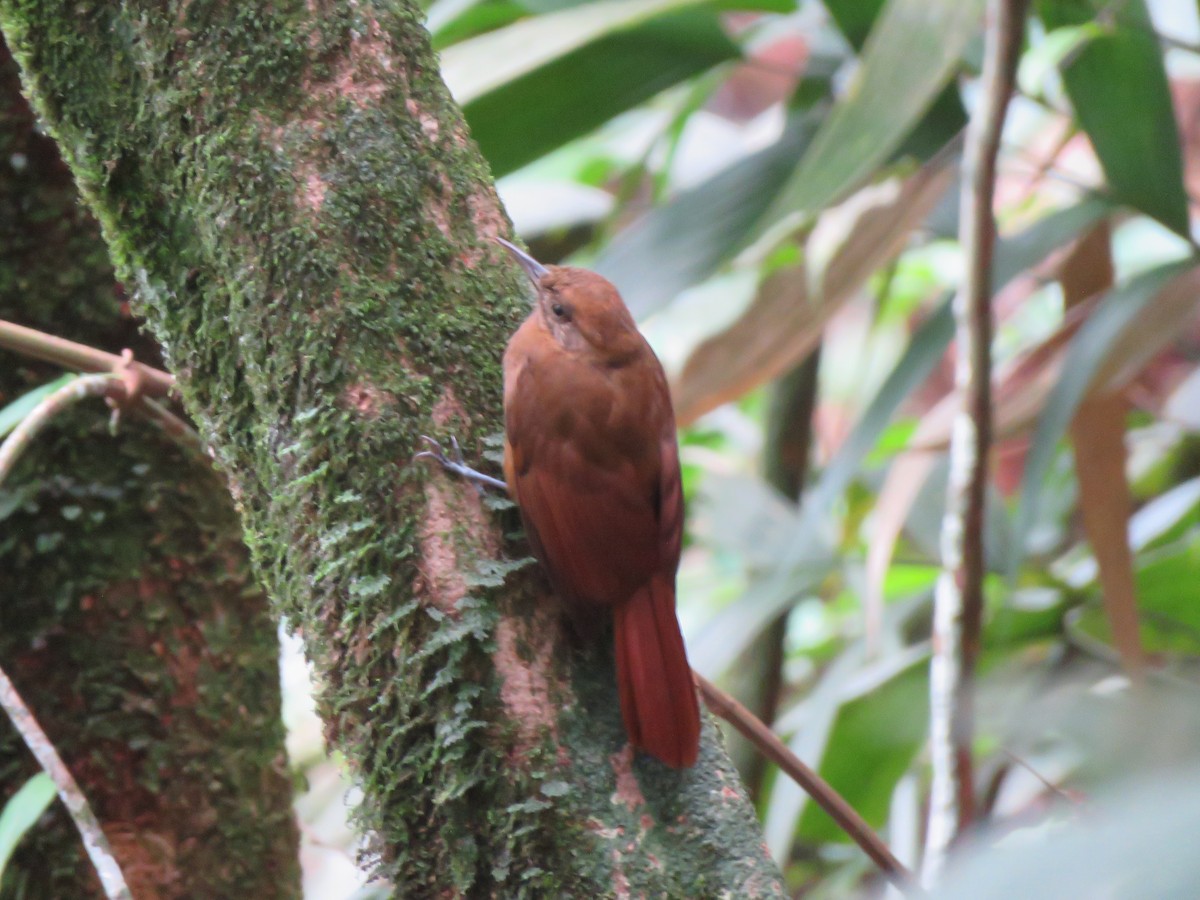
x=79, y=357
x=958, y=600
x=94, y=840
x=174, y=427
x=769, y=744
x=147, y=382
x=1070, y=796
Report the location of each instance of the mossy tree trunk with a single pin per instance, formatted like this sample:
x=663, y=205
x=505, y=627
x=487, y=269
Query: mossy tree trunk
x=129, y=619
x=296, y=198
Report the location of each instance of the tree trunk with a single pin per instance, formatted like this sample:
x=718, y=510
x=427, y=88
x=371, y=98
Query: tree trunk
x=296, y=198
x=129, y=620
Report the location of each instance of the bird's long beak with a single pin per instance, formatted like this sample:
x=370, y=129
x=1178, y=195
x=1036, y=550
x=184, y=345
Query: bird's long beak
x=534, y=269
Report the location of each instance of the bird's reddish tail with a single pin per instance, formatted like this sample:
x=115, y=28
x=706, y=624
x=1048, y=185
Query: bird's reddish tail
x=658, y=696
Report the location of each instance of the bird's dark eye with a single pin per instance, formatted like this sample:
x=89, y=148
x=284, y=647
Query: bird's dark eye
x=559, y=310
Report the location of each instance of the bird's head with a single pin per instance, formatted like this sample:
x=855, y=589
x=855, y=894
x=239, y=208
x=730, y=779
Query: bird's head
x=581, y=310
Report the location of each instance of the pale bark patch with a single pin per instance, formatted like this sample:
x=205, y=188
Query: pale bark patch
x=628, y=791
x=367, y=398
x=447, y=409
x=441, y=582
x=437, y=206
x=525, y=684
x=312, y=189
x=428, y=122
x=620, y=882
x=369, y=53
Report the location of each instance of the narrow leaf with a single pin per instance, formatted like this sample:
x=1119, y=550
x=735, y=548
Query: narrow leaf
x=854, y=18
x=925, y=349
x=1014, y=255
x=723, y=637
x=475, y=67
x=11, y=415
x=808, y=556
x=523, y=119
x=1118, y=86
x=21, y=812
x=818, y=722
x=872, y=743
x=910, y=55
x=482, y=64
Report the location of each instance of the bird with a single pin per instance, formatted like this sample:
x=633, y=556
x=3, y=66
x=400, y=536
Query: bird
x=591, y=460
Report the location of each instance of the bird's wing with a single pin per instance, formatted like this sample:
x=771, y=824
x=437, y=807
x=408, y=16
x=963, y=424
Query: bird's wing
x=591, y=494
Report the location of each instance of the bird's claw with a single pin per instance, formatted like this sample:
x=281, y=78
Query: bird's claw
x=435, y=452
x=456, y=463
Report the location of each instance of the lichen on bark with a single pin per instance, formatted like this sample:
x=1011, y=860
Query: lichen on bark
x=295, y=196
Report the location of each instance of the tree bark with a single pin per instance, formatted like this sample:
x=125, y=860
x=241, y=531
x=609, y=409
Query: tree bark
x=130, y=621
x=306, y=220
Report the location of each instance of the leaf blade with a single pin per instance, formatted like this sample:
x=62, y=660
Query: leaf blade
x=909, y=56
x=1118, y=86
x=12, y=414
x=21, y=813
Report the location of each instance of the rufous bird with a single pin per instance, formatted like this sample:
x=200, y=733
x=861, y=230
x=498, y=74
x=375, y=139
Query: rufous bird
x=591, y=460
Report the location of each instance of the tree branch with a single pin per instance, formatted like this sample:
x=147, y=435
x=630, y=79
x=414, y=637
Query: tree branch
x=79, y=357
x=958, y=600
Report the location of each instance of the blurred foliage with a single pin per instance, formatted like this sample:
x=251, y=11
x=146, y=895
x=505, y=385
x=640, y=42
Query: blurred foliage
x=762, y=178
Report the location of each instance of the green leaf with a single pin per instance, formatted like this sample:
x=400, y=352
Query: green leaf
x=909, y=56
x=795, y=301
x=1116, y=314
x=484, y=64
x=526, y=117
x=1118, y=86
x=780, y=6
x=854, y=18
x=1167, y=608
x=684, y=241
x=807, y=557
x=11, y=415
x=1026, y=616
x=474, y=20
x=944, y=119
x=849, y=680
x=481, y=65
x=1167, y=599
x=723, y=637
x=21, y=812
x=871, y=745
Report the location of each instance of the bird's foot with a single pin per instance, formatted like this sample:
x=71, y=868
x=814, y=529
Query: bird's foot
x=457, y=464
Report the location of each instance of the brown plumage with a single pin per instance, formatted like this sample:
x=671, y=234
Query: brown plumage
x=591, y=459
